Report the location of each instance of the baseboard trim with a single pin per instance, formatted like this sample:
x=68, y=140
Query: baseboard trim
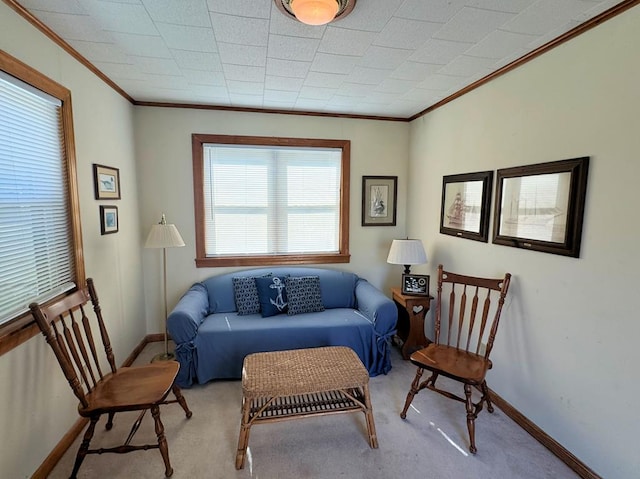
x=543, y=438
x=68, y=439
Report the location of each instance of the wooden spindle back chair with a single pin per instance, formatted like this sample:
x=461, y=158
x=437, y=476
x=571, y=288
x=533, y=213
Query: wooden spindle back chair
x=466, y=322
x=99, y=385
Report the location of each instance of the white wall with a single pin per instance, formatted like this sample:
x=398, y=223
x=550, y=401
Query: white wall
x=38, y=407
x=567, y=354
x=163, y=150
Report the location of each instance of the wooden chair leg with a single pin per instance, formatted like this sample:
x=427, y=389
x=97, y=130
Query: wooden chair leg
x=84, y=446
x=415, y=385
x=181, y=400
x=109, y=424
x=471, y=417
x=486, y=397
x=245, y=430
x=162, y=440
x=371, y=426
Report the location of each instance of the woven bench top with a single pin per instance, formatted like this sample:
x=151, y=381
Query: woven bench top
x=302, y=371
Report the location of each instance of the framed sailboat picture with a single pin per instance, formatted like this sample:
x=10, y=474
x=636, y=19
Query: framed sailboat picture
x=541, y=207
x=466, y=201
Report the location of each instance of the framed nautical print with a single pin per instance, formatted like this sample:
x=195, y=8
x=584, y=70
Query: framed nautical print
x=541, y=207
x=466, y=202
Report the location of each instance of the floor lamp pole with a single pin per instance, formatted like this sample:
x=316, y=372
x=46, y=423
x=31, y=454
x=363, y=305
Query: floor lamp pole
x=166, y=356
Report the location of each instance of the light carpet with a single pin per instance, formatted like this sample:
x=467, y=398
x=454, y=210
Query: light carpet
x=431, y=443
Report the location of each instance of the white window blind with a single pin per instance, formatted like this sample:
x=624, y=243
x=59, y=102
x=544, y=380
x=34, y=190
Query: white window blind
x=271, y=200
x=36, y=256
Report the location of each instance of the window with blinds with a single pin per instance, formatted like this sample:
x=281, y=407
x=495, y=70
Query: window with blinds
x=37, y=256
x=270, y=203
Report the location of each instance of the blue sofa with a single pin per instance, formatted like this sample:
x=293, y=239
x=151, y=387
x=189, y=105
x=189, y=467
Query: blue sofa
x=212, y=339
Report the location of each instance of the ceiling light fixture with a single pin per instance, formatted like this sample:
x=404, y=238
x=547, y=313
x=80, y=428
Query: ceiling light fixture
x=316, y=12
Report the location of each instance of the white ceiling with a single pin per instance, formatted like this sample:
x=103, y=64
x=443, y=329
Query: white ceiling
x=390, y=58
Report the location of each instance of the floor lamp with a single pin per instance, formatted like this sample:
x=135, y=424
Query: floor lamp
x=164, y=236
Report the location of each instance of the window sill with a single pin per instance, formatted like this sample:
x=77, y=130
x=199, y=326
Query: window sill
x=269, y=260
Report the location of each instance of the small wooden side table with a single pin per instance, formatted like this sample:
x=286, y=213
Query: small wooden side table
x=411, y=313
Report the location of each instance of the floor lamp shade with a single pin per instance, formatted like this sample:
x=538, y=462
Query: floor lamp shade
x=164, y=235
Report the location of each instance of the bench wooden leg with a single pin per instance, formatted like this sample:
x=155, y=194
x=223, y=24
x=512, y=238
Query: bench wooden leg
x=371, y=426
x=243, y=439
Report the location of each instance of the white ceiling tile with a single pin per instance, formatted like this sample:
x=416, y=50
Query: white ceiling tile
x=184, y=12
x=420, y=95
x=281, y=96
x=308, y=104
x=142, y=45
x=242, y=54
x=367, y=76
x=121, y=71
x=438, y=81
x=394, y=86
x=327, y=80
x=245, y=100
x=120, y=17
x=466, y=66
x=157, y=66
x=324, y=62
x=55, y=6
x=287, y=68
x=316, y=93
x=183, y=37
x=547, y=15
x=243, y=73
x=243, y=30
x=511, y=6
x=75, y=27
x=340, y=41
x=369, y=15
x=408, y=34
x=356, y=89
x=341, y=100
x=439, y=51
x=100, y=52
x=292, y=48
x=210, y=92
x=383, y=57
x=439, y=11
x=500, y=44
x=414, y=70
x=283, y=83
x=244, y=8
x=245, y=87
x=472, y=24
x=197, y=60
x=204, y=78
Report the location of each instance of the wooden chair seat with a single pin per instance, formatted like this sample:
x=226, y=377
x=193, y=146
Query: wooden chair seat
x=466, y=322
x=131, y=388
x=100, y=386
x=452, y=362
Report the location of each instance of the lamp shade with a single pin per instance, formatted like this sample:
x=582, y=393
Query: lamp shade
x=315, y=12
x=164, y=235
x=406, y=252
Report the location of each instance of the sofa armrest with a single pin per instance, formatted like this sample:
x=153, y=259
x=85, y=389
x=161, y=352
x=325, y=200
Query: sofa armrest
x=185, y=319
x=377, y=307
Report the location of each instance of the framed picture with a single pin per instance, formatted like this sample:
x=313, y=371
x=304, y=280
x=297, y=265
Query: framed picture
x=379, y=194
x=106, y=182
x=540, y=207
x=108, y=219
x=466, y=202
x=415, y=284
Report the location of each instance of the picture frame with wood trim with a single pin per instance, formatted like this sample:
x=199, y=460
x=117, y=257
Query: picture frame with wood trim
x=109, y=221
x=106, y=182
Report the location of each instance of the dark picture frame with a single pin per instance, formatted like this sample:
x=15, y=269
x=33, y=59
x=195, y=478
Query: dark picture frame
x=415, y=284
x=540, y=207
x=109, y=221
x=466, y=204
x=379, y=196
x=106, y=182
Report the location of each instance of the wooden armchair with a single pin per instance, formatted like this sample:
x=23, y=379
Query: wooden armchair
x=66, y=326
x=463, y=341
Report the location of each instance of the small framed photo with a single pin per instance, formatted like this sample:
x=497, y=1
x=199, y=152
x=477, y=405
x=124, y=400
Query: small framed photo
x=379, y=194
x=106, y=182
x=415, y=284
x=108, y=219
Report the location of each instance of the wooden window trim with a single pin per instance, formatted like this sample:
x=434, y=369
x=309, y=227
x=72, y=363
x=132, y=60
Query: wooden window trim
x=19, y=330
x=202, y=261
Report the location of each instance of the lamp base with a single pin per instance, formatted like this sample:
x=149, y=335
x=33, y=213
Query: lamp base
x=164, y=357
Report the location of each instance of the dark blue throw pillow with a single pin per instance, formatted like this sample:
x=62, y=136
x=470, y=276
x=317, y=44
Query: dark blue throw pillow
x=272, y=295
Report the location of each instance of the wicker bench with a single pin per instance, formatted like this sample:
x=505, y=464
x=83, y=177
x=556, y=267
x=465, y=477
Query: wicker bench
x=283, y=385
